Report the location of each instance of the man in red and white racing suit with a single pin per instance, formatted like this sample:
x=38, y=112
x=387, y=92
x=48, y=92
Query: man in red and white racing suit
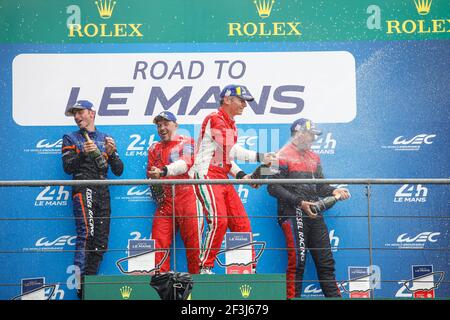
x=216, y=149
x=170, y=159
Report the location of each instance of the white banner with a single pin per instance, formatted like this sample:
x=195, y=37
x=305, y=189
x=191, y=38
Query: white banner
x=129, y=89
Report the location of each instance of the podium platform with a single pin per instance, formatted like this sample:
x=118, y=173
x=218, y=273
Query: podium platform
x=206, y=287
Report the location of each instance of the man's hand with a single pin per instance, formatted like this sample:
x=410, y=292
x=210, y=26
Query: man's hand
x=110, y=145
x=341, y=193
x=154, y=173
x=89, y=146
x=305, y=206
x=249, y=176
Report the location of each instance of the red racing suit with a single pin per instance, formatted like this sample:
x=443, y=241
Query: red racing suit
x=216, y=148
x=177, y=157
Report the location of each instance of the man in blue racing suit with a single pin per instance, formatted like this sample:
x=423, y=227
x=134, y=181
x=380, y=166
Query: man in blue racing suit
x=87, y=154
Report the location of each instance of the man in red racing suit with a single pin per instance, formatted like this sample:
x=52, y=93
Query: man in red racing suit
x=216, y=149
x=171, y=158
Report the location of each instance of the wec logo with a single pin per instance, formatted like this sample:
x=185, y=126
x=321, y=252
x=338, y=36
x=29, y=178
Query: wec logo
x=402, y=143
x=313, y=290
x=404, y=241
x=247, y=141
x=418, y=139
x=260, y=140
x=420, y=238
x=139, y=192
x=44, y=144
x=411, y=144
x=59, y=242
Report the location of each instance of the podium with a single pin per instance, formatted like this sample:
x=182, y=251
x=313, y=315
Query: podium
x=206, y=287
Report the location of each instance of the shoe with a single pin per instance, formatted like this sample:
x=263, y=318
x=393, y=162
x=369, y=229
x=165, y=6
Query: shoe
x=206, y=270
x=80, y=294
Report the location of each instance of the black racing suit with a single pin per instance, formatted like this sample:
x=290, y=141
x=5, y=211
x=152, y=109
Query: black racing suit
x=301, y=232
x=91, y=204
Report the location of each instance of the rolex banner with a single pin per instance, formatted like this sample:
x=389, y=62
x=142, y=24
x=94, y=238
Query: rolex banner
x=179, y=21
x=206, y=287
x=372, y=75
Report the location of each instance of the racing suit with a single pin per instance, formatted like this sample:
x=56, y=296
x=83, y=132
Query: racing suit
x=177, y=156
x=91, y=204
x=301, y=232
x=216, y=148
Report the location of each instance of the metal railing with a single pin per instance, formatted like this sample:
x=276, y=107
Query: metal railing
x=125, y=182
x=174, y=182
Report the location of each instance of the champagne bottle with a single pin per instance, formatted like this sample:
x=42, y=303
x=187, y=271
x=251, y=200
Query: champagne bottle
x=324, y=204
x=263, y=171
x=96, y=155
x=93, y=154
x=157, y=193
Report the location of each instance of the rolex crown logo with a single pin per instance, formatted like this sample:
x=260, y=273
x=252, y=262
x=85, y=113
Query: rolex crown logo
x=423, y=6
x=125, y=291
x=245, y=290
x=264, y=7
x=105, y=8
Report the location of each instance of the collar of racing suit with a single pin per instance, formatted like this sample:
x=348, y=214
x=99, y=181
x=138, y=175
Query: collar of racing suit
x=226, y=116
x=92, y=134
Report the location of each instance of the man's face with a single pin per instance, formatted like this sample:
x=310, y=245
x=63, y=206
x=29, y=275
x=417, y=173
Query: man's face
x=304, y=139
x=166, y=129
x=83, y=118
x=236, y=105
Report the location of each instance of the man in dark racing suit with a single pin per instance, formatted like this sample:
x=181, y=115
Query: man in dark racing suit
x=87, y=154
x=303, y=228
